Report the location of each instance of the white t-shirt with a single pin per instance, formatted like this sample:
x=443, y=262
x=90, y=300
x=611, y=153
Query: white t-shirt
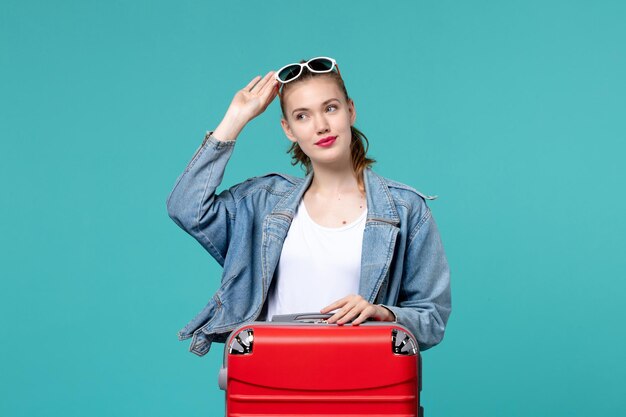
x=318, y=265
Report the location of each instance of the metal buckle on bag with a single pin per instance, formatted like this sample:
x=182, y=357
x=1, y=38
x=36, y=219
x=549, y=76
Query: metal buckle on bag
x=402, y=343
x=242, y=342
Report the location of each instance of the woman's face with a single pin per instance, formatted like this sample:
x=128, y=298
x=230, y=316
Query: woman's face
x=317, y=112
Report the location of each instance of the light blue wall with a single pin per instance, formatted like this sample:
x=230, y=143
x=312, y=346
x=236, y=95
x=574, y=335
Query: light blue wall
x=512, y=112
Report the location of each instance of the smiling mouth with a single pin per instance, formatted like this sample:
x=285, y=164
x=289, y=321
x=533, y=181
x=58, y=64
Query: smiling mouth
x=326, y=140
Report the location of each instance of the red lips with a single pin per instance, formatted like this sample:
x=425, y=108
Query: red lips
x=326, y=141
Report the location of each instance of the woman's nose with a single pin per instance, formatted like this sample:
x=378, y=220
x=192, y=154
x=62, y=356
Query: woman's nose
x=321, y=124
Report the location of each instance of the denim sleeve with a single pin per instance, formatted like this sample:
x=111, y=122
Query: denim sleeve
x=424, y=302
x=193, y=204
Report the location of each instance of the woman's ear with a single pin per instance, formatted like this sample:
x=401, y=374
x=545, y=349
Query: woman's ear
x=352, y=111
x=285, y=125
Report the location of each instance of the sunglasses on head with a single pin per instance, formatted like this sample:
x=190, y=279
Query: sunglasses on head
x=319, y=64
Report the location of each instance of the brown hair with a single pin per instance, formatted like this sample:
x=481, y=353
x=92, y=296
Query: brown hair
x=358, y=145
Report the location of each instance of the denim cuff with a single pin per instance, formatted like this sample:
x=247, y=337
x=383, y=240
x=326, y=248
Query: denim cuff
x=216, y=143
x=395, y=318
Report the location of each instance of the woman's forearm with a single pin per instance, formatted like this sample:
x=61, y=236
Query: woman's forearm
x=230, y=127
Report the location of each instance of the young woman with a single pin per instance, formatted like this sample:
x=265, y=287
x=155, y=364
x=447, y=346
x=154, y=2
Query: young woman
x=343, y=240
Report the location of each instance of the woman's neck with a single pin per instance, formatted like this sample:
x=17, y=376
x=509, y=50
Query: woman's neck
x=329, y=181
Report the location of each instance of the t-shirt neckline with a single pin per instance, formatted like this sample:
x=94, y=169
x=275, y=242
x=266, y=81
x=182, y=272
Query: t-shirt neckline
x=350, y=225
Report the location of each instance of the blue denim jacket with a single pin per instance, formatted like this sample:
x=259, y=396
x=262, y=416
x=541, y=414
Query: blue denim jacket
x=403, y=264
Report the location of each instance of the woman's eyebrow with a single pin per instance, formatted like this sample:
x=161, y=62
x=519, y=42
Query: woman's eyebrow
x=323, y=104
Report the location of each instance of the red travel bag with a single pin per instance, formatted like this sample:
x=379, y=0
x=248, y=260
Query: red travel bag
x=299, y=365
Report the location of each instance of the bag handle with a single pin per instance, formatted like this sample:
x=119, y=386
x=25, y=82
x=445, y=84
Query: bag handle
x=301, y=318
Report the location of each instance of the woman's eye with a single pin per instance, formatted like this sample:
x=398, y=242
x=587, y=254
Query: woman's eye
x=300, y=116
x=331, y=106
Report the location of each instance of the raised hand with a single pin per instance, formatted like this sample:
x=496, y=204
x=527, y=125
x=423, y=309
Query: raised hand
x=254, y=98
x=247, y=104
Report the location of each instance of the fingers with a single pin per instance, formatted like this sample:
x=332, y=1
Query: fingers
x=269, y=84
x=334, y=305
x=258, y=88
x=361, y=310
x=370, y=311
x=349, y=308
x=269, y=90
x=252, y=83
x=264, y=88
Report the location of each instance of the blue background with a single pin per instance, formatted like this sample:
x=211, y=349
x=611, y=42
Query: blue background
x=512, y=112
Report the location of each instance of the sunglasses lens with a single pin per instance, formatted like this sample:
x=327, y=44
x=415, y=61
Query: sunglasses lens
x=289, y=73
x=321, y=64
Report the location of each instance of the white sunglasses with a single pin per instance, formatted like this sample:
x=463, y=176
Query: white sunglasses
x=319, y=64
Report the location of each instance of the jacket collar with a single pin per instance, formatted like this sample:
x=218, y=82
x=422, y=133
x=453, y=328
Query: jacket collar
x=380, y=205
